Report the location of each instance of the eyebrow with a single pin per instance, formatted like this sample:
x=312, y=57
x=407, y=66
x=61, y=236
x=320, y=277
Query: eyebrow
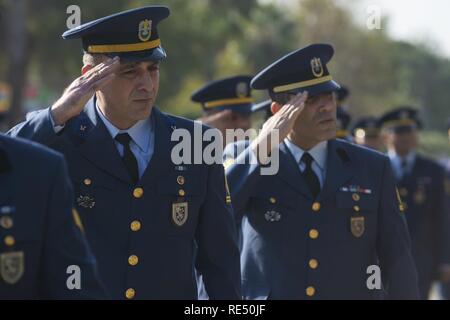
x=130, y=65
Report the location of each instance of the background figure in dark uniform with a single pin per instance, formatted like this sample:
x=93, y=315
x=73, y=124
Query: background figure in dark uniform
x=367, y=132
x=420, y=182
x=342, y=95
x=343, y=124
x=41, y=235
x=263, y=106
x=226, y=103
x=445, y=280
x=312, y=228
x=152, y=220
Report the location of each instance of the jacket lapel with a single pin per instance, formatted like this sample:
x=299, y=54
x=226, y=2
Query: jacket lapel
x=6, y=181
x=160, y=161
x=289, y=172
x=97, y=145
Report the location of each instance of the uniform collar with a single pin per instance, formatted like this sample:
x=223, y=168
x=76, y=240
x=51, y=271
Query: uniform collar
x=410, y=157
x=318, y=152
x=5, y=164
x=139, y=132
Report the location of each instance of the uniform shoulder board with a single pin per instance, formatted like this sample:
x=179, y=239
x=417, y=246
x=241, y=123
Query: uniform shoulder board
x=401, y=206
x=227, y=190
x=77, y=219
x=228, y=162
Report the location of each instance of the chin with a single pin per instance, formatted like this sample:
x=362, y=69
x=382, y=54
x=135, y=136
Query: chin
x=327, y=135
x=141, y=112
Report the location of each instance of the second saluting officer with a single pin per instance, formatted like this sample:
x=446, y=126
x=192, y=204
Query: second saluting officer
x=312, y=230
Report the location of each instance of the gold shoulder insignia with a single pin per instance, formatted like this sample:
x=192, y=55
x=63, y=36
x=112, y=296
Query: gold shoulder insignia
x=77, y=219
x=400, y=202
x=228, y=162
x=227, y=197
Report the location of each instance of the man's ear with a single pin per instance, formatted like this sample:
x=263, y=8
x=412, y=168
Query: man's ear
x=275, y=107
x=86, y=68
x=386, y=137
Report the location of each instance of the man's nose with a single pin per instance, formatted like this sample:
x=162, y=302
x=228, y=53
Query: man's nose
x=326, y=104
x=145, y=81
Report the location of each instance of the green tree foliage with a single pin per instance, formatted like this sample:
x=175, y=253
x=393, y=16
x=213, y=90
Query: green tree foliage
x=209, y=39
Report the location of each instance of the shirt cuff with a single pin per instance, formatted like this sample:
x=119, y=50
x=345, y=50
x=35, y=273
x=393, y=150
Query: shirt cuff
x=56, y=127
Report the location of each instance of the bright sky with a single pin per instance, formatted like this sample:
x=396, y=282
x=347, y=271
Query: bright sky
x=416, y=20
x=425, y=21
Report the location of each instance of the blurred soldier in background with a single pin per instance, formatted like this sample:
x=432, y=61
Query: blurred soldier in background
x=226, y=103
x=263, y=106
x=343, y=124
x=366, y=132
x=342, y=95
x=420, y=183
x=445, y=283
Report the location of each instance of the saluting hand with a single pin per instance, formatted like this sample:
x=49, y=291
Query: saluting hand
x=283, y=121
x=78, y=93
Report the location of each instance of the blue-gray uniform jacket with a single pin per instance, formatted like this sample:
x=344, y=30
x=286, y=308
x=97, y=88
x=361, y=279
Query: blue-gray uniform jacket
x=427, y=212
x=295, y=247
x=148, y=237
x=41, y=237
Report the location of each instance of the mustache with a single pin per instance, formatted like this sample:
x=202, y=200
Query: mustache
x=326, y=118
x=143, y=98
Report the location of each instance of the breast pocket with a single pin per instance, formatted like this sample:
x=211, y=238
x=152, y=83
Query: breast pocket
x=355, y=220
x=270, y=213
x=92, y=190
x=98, y=200
x=180, y=197
x=20, y=253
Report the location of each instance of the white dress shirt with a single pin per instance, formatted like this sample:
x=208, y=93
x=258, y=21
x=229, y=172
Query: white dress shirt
x=318, y=153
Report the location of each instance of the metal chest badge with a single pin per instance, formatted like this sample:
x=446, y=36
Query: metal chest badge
x=86, y=201
x=357, y=226
x=12, y=266
x=419, y=196
x=179, y=213
x=272, y=216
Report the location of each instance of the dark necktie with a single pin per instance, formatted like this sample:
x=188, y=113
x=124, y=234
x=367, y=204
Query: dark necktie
x=309, y=174
x=128, y=157
x=404, y=168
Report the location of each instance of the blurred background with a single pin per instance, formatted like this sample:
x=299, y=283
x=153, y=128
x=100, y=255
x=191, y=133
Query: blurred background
x=388, y=53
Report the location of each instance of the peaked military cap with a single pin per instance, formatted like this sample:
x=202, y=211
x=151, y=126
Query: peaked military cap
x=401, y=119
x=366, y=127
x=233, y=93
x=132, y=35
x=302, y=70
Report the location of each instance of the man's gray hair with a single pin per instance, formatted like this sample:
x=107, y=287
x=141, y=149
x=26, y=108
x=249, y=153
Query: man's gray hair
x=93, y=59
